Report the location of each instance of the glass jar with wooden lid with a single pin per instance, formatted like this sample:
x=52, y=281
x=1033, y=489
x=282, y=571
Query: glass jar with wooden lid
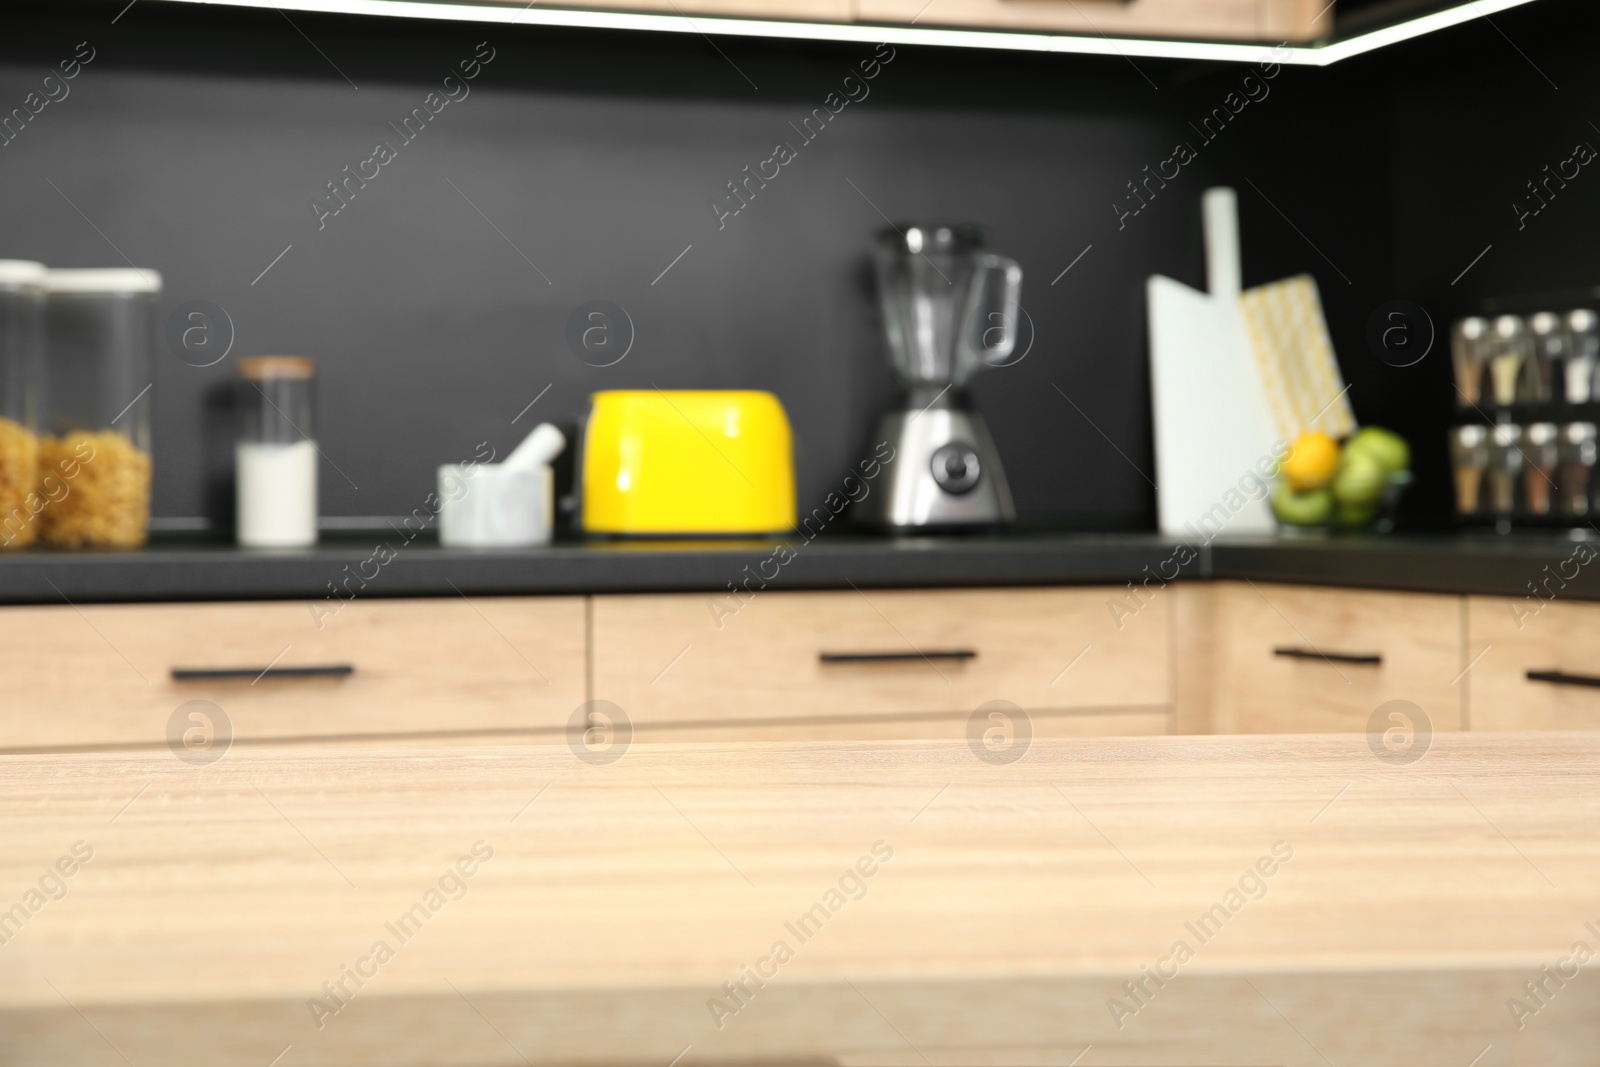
x=275, y=458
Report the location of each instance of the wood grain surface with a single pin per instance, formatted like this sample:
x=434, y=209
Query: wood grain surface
x=620, y=898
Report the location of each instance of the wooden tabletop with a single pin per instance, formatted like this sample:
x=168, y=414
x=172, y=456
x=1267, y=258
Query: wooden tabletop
x=959, y=911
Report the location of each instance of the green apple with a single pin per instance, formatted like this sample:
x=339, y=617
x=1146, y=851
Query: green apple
x=1313, y=507
x=1360, y=480
x=1388, y=448
x=1353, y=516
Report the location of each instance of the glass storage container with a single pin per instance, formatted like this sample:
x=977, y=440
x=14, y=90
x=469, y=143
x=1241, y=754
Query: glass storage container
x=99, y=330
x=276, y=455
x=21, y=355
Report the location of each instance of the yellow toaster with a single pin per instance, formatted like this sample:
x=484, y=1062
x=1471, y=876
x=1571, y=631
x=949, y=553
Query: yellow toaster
x=687, y=462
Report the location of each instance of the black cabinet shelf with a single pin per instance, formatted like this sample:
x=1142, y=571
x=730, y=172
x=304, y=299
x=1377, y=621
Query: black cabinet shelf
x=1526, y=412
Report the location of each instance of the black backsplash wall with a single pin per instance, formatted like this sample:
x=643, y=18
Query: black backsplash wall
x=197, y=136
x=1474, y=126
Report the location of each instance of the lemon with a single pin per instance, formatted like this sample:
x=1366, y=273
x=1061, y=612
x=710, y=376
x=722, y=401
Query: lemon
x=1312, y=462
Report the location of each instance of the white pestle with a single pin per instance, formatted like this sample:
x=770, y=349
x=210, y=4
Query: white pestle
x=538, y=448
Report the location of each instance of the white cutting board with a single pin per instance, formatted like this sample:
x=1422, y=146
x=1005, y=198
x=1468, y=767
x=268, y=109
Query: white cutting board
x=1212, y=421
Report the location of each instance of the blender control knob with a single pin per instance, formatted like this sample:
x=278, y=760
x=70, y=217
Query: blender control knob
x=955, y=467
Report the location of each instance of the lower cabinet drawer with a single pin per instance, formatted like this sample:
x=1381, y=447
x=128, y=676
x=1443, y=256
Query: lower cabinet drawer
x=1294, y=659
x=826, y=655
x=1538, y=669
x=104, y=674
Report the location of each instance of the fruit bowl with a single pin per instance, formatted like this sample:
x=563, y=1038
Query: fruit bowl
x=1380, y=520
x=1325, y=487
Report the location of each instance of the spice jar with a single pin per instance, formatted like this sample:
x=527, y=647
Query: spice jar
x=1469, y=457
x=1469, y=353
x=1510, y=345
x=1577, y=467
x=1541, y=453
x=1583, y=350
x=1505, y=468
x=21, y=352
x=99, y=329
x=1544, y=373
x=275, y=460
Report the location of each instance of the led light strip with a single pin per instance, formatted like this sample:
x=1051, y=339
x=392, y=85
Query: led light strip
x=1417, y=27
x=535, y=15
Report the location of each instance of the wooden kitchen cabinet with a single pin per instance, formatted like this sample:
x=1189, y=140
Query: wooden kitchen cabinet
x=1245, y=20
x=1197, y=657
x=101, y=675
x=776, y=668
x=1295, y=659
x=785, y=10
x=1558, y=645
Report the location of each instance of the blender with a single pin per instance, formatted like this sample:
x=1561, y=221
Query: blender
x=950, y=308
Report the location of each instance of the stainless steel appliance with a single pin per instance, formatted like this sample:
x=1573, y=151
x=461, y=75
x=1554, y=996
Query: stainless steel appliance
x=950, y=308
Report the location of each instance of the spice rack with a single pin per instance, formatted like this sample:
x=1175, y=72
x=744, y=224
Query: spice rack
x=1523, y=449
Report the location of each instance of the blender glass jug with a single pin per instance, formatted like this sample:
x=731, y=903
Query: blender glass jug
x=949, y=306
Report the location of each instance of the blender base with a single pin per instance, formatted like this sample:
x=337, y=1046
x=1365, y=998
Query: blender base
x=945, y=474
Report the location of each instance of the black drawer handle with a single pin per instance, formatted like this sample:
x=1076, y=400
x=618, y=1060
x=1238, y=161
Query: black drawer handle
x=1365, y=659
x=1563, y=678
x=895, y=657
x=211, y=674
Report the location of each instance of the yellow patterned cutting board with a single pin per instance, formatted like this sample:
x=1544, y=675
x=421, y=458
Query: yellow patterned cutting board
x=1294, y=354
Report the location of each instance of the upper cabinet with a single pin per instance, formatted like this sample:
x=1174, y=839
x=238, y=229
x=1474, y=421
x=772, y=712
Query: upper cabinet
x=1295, y=21
x=1245, y=20
x=1290, y=32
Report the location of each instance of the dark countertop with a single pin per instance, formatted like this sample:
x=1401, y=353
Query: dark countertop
x=196, y=571
x=1468, y=563
x=1478, y=562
